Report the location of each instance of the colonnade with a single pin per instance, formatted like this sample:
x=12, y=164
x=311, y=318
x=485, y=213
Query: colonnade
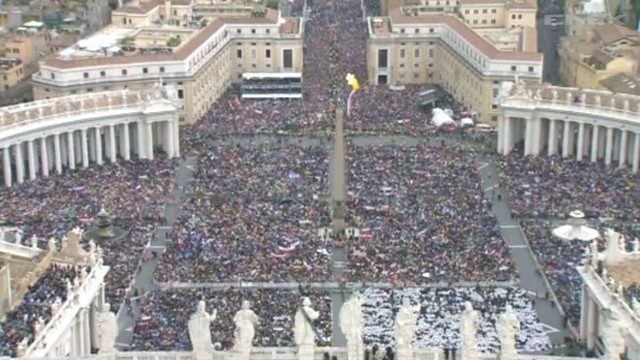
x=67, y=150
x=582, y=140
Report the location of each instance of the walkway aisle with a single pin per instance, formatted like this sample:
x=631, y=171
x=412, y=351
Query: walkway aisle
x=143, y=282
x=525, y=261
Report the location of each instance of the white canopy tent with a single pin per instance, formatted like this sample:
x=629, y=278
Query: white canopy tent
x=440, y=118
x=576, y=229
x=466, y=122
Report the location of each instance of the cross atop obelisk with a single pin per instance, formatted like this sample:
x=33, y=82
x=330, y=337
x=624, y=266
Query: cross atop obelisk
x=338, y=183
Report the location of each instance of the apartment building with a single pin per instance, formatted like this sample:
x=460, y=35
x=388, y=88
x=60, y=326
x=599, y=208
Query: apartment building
x=444, y=48
x=161, y=41
x=602, y=52
x=11, y=73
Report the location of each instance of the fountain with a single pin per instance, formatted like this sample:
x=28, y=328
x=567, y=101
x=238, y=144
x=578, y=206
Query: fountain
x=103, y=229
x=576, y=228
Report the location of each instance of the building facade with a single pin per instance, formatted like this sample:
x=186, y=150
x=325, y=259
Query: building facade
x=413, y=48
x=11, y=73
x=587, y=125
x=159, y=41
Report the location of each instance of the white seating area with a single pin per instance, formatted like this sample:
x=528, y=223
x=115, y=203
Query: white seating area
x=439, y=321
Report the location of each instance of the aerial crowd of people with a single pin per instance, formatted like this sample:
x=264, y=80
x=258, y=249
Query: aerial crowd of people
x=256, y=213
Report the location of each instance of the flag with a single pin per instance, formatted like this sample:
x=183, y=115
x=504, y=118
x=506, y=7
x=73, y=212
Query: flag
x=289, y=248
x=355, y=86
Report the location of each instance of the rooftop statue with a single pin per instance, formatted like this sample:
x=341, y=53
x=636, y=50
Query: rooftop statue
x=508, y=328
x=199, y=331
x=108, y=330
x=246, y=320
x=468, y=331
x=352, y=325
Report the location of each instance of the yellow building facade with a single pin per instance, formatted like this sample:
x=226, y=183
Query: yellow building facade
x=11, y=73
x=602, y=52
x=201, y=65
x=442, y=49
x=20, y=47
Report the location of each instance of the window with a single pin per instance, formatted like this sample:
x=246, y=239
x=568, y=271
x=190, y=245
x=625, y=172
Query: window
x=416, y=65
x=494, y=118
x=519, y=16
x=253, y=44
x=493, y=21
x=86, y=75
x=268, y=31
x=267, y=54
x=475, y=11
x=416, y=52
x=383, y=61
x=180, y=94
x=53, y=76
x=287, y=58
x=513, y=16
x=493, y=11
x=514, y=68
x=495, y=93
x=475, y=22
x=402, y=65
x=89, y=89
x=484, y=21
x=103, y=74
x=484, y=11
x=402, y=31
x=239, y=54
x=531, y=69
x=145, y=70
x=466, y=12
x=124, y=71
x=253, y=31
x=161, y=69
x=431, y=30
x=254, y=66
x=417, y=30
x=403, y=53
x=238, y=31
x=416, y=75
x=431, y=53
x=254, y=54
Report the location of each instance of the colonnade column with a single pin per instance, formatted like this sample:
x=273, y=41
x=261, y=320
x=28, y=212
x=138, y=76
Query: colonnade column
x=580, y=146
x=112, y=144
x=169, y=139
x=176, y=136
x=126, y=145
x=608, y=146
x=506, y=148
x=85, y=148
x=501, y=134
x=19, y=164
x=98, y=141
x=622, y=154
x=44, y=156
x=149, y=141
x=71, y=150
x=553, y=138
x=594, y=143
x=565, y=138
x=31, y=158
x=58, y=153
x=6, y=165
x=636, y=152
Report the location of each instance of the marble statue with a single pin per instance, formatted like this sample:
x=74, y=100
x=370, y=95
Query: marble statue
x=108, y=330
x=613, y=337
x=625, y=104
x=303, y=332
x=508, y=328
x=199, y=328
x=92, y=246
x=37, y=329
x=18, y=236
x=69, y=287
x=583, y=99
x=99, y=257
x=594, y=253
x=405, y=324
x=34, y=241
x=468, y=330
x=519, y=88
x=352, y=325
x=612, y=103
x=597, y=101
x=635, y=305
x=538, y=95
x=635, y=245
x=56, y=306
x=569, y=96
x=246, y=321
x=65, y=241
x=1, y=234
x=21, y=349
x=52, y=245
x=554, y=95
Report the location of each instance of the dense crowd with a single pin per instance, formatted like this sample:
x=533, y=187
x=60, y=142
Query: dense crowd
x=422, y=217
x=253, y=216
x=134, y=192
x=165, y=315
x=24, y=322
x=439, y=320
x=551, y=187
x=255, y=212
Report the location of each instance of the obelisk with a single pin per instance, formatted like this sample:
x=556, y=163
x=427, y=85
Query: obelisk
x=338, y=183
x=338, y=226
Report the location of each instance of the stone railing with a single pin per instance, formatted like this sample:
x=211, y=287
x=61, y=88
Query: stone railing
x=592, y=99
x=330, y=285
x=282, y=354
x=60, y=320
x=36, y=111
